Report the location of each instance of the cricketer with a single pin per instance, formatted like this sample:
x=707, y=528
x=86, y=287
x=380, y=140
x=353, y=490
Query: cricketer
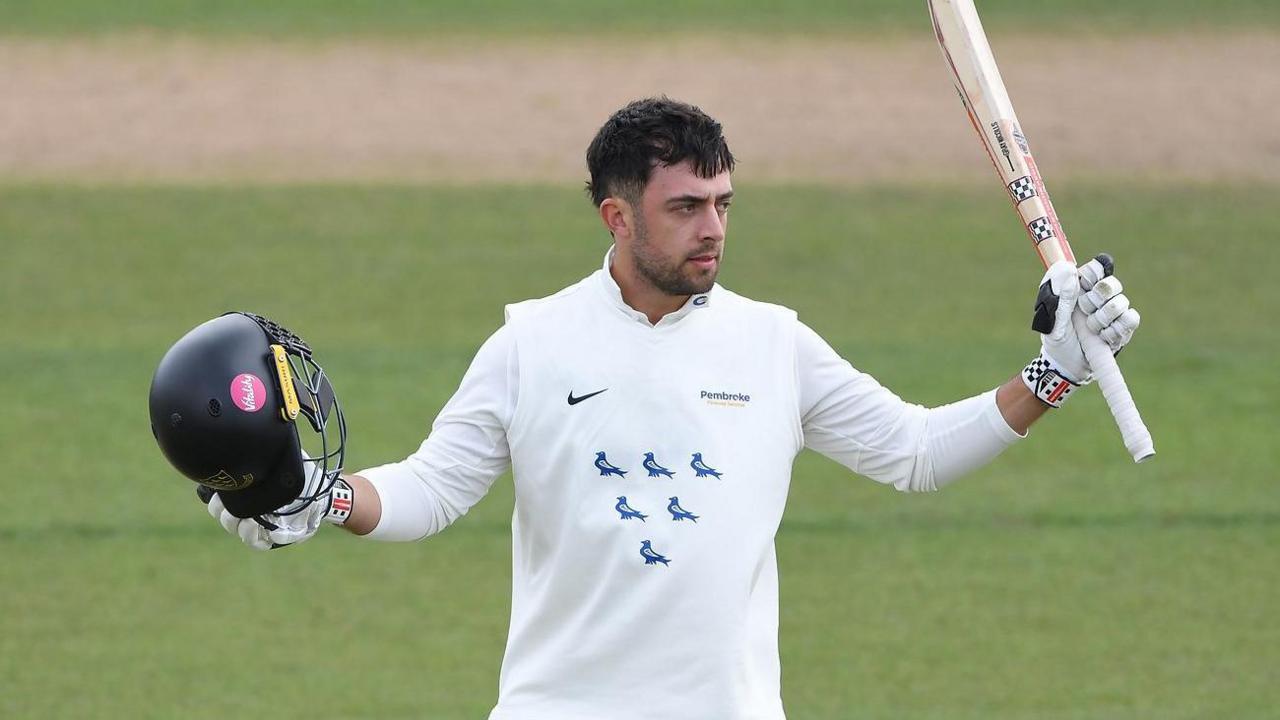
x=650, y=418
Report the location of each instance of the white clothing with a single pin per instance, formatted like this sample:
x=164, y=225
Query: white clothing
x=651, y=467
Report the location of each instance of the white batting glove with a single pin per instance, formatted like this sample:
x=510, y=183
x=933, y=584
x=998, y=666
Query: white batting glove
x=1097, y=295
x=274, y=530
x=1106, y=308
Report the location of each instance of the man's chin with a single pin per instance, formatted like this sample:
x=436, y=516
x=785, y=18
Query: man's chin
x=690, y=286
x=689, y=282
x=702, y=285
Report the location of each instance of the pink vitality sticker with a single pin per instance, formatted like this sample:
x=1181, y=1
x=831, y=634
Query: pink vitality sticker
x=248, y=392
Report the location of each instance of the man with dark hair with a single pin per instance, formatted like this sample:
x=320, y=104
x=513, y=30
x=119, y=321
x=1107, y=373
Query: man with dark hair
x=654, y=131
x=651, y=418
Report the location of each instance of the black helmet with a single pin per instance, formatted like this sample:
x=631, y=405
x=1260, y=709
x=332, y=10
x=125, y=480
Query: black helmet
x=224, y=402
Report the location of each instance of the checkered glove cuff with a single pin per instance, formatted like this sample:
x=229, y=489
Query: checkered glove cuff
x=1043, y=379
x=340, y=502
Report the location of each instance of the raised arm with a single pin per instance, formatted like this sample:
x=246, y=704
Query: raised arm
x=849, y=417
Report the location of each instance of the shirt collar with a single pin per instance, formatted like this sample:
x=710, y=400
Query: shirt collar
x=614, y=294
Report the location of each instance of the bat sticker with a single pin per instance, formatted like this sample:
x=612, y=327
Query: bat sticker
x=1022, y=189
x=1041, y=229
x=1021, y=139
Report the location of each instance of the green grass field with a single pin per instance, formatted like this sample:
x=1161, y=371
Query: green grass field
x=1061, y=582
x=293, y=18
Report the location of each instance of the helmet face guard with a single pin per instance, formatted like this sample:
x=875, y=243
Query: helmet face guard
x=225, y=404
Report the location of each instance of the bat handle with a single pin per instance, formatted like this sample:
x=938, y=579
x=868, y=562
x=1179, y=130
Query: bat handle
x=1115, y=391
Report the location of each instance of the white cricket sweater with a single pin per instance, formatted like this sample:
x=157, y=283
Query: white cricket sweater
x=651, y=467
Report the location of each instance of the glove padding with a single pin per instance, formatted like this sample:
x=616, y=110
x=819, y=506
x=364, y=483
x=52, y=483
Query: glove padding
x=1098, y=296
x=272, y=530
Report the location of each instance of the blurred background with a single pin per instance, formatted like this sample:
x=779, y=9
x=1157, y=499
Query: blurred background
x=382, y=177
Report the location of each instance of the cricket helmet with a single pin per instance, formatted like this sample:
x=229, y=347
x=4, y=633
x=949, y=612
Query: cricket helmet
x=225, y=402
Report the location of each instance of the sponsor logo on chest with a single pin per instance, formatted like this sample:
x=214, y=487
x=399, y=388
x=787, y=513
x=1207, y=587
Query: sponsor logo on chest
x=724, y=399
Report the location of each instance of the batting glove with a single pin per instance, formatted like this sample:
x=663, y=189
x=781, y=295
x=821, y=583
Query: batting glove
x=1093, y=292
x=293, y=523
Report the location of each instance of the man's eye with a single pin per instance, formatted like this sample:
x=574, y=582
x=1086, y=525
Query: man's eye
x=724, y=207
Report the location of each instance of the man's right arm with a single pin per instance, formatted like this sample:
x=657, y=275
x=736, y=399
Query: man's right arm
x=456, y=464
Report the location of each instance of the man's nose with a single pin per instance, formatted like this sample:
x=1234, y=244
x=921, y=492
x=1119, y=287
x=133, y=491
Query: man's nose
x=712, y=225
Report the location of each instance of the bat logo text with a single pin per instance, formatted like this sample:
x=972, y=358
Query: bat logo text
x=1004, y=147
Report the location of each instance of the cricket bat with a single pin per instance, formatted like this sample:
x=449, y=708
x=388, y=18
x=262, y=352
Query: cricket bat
x=977, y=79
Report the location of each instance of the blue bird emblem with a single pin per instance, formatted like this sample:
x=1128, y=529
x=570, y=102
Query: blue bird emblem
x=654, y=468
x=679, y=513
x=626, y=511
x=606, y=469
x=703, y=469
x=651, y=557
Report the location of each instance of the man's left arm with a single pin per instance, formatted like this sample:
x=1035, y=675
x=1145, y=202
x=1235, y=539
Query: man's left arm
x=849, y=417
x=1018, y=406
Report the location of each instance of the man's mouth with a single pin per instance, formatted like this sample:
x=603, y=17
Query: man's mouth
x=706, y=260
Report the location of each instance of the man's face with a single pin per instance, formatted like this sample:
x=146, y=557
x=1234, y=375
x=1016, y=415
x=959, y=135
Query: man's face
x=680, y=229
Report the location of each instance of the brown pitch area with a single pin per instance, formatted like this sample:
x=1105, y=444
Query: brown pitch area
x=147, y=109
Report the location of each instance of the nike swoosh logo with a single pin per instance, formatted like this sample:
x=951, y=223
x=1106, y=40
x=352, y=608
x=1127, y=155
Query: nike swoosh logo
x=575, y=400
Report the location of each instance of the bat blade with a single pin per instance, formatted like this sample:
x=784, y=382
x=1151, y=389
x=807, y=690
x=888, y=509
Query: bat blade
x=982, y=90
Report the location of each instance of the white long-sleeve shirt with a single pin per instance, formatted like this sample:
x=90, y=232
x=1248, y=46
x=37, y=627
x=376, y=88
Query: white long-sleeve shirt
x=651, y=466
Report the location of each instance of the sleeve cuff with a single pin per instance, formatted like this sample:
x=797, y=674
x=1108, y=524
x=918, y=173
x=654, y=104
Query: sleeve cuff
x=398, y=521
x=995, y=419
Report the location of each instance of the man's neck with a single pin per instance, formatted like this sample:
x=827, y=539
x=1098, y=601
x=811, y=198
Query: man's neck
x=642, y=296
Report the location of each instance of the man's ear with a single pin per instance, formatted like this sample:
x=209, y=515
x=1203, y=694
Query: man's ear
x=616, y=214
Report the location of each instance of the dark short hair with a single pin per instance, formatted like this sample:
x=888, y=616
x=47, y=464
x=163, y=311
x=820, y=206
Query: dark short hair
x=649, y=132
